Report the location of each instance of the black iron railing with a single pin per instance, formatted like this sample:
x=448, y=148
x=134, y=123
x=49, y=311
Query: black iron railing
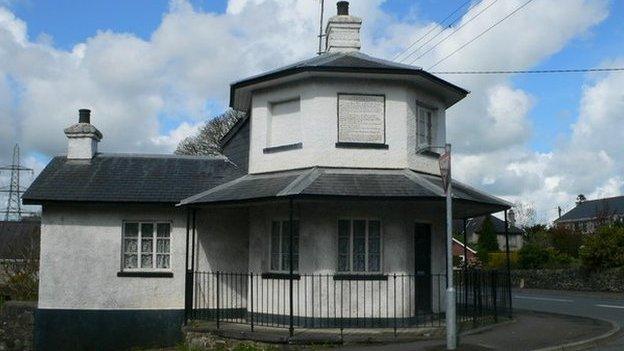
x=335, y=301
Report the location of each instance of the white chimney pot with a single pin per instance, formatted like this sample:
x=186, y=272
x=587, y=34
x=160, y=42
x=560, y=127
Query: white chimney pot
x=343, y=31
x=83, y=138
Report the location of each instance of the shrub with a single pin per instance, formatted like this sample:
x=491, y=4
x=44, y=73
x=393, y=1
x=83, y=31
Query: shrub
x=566, y=241
x=604, y=249
x=21, y=275
x=498, y=260
x=532, y=256
x=558, y=259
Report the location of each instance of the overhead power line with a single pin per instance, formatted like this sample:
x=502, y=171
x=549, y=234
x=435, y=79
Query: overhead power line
x=482, y=33
x=433, y=28
x=539, y=71
x=444, y=39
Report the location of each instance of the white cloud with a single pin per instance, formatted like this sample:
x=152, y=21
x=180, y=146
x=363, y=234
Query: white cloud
x=175, y=136
x=131, y=84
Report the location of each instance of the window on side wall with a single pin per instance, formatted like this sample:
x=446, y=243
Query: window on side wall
x=280, y=246
x=424, y=127
x=284, y=123
x=359, y=245
x=146, y=246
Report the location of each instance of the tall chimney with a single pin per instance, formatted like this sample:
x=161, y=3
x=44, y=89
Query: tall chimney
x=343, y=30
x=83, y=137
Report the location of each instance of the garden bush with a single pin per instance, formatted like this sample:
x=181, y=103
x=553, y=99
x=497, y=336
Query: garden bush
x=604, y=249
x=498, y=260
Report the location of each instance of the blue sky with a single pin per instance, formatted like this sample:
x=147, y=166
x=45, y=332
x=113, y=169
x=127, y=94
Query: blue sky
x=165, y=66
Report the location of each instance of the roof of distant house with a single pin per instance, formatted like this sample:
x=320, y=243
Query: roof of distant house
x=459, y=243
x=129, y=178
x=591, y=209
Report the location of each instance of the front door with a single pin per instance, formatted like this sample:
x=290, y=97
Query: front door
x=422, y=269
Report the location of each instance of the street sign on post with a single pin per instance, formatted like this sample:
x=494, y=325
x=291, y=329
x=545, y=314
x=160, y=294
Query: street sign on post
x=445, y=167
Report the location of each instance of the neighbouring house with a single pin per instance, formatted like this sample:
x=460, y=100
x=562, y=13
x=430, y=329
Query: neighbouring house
x=463, y=252
x=474, y=226
x=588, y=215
x=327, y=207
x=19, y=241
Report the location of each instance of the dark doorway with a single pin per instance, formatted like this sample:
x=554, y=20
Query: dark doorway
x=422, y=266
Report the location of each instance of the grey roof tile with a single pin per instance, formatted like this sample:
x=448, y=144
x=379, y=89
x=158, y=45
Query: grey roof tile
x=347, y=183
x=129, y=178
x=595, y=208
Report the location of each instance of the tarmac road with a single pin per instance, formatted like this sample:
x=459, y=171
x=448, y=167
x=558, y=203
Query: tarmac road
x=607, y=306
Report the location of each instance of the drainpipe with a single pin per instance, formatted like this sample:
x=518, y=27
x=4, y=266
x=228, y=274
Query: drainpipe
x=291, y=328
x=187, y=300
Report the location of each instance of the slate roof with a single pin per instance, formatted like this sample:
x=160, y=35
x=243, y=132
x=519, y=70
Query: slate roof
x=348, y=183
x=591, y=209
x=129, y=178
x=346, y=62
x=19, y=238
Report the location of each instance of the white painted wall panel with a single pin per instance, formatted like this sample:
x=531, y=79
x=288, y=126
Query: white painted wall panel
x=81, y=255
x=319, y=109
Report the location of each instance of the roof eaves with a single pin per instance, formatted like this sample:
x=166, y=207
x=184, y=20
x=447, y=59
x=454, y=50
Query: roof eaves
x=419, y=180
x=371, y=70
x=301, y=182
x=192, y=199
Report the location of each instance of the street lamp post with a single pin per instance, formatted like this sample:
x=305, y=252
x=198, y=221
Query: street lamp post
x=445, y=172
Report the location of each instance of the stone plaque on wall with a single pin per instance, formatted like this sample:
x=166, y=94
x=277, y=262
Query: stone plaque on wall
x=361, y=118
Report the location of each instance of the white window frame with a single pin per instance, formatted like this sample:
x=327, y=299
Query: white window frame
x=281, y=234
x=154, y=252
x=366, y=254
x=429, y=125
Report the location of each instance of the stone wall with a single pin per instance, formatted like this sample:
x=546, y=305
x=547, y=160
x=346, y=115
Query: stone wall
x=611, y=280
x=16, y=325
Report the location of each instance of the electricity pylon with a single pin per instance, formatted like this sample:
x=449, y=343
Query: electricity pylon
x=13, y=209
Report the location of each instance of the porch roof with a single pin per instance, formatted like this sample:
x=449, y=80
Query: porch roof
x=349, y=184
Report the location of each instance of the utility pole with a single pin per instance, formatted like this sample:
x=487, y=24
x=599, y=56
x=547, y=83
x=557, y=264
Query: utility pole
x=13, y=209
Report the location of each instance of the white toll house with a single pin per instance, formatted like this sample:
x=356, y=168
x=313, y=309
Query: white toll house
x=327, y=210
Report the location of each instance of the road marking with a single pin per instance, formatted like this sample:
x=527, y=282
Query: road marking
x=542, y=298
x=611, y=306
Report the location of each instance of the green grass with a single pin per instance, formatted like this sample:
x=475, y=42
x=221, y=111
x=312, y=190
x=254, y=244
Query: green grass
x=244, y=346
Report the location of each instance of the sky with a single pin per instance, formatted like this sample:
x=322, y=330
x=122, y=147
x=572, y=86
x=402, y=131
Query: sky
x=153, y=70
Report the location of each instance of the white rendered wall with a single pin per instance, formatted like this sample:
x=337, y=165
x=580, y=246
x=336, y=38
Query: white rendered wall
x=81, y=255
x=81, y=148
x=319, y=126
x=318, y=240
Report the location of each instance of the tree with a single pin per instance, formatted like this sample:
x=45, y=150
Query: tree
x=525, y=214
x=207, y=140
x=21, y=274
x=487, y=240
